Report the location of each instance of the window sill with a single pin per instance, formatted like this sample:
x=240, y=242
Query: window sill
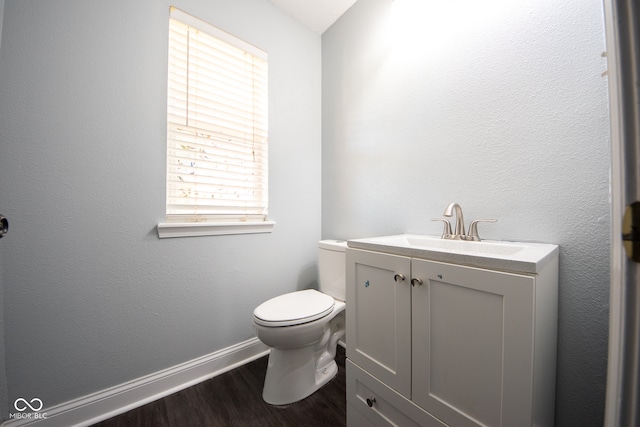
x=193, y=229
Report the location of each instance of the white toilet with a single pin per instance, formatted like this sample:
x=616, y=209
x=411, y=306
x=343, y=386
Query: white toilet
x=303, y=328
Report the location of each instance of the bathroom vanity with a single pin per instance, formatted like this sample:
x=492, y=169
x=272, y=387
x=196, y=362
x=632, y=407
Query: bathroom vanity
x=450, y=333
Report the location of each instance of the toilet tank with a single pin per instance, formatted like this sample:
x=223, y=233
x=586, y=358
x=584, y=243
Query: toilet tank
x=331, y=268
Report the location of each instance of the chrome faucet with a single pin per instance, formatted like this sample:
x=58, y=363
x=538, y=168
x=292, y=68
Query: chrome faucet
x=458, y=232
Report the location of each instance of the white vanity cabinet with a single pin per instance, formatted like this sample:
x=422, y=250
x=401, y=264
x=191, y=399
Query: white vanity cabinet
x=461, y=346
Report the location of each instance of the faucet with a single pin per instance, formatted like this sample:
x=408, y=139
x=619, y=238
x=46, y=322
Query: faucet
x=458, y=231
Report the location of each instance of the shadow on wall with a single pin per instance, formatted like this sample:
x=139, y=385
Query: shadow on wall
x=308, y=277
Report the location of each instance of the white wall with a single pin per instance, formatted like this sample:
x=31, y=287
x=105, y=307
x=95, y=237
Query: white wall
x=92, y=298
x=499, y=106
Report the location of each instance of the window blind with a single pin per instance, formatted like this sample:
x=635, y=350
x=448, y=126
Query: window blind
x=216, y=125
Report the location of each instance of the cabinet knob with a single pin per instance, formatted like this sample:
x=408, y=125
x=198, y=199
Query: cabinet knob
x=370, y=401
x=415, y=282
x=398, y=278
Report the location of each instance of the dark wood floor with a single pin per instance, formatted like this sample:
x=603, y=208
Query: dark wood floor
x=235, y=399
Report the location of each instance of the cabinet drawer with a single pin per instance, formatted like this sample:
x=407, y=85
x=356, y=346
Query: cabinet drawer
x=389, y=408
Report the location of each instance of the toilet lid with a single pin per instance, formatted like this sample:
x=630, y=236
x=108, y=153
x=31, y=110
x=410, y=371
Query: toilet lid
x=293, y=308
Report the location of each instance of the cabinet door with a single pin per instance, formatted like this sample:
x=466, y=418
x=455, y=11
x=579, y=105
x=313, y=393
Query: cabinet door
x=472, y=344
x=378, y=316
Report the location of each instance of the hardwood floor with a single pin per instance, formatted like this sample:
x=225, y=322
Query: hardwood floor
x=235, y=399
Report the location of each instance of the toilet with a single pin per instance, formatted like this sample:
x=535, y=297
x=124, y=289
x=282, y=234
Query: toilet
x=303, y=328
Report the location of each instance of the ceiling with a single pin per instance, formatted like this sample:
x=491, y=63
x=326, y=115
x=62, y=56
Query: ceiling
x=318, y=15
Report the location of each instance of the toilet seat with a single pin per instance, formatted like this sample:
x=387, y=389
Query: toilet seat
x=293, y=308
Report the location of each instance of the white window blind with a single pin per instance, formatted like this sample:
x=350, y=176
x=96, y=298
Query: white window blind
x=216, y=125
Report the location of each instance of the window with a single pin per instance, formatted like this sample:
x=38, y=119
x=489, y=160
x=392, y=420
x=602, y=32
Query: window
x=216, y=129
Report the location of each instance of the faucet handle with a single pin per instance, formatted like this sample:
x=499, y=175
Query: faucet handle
x=446, y=232
x=473, y=229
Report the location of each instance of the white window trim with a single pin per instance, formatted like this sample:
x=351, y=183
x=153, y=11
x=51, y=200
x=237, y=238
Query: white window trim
x=194, y=229
x=176, y=228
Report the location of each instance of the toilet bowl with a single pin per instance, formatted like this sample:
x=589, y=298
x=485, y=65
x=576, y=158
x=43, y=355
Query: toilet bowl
x=303, y=329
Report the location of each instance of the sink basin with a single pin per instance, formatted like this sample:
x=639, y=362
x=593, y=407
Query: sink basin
x=494, y=254
x=483, y=247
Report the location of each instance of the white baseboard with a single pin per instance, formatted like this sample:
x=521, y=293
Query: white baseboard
x=113, y=401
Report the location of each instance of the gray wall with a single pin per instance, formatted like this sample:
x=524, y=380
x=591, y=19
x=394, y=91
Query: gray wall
x=499, y=106
x=92, y=298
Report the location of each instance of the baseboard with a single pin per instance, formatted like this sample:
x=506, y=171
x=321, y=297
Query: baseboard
x=113, y=401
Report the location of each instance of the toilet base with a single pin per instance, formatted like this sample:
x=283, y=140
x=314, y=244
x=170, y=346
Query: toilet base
x=292, y=375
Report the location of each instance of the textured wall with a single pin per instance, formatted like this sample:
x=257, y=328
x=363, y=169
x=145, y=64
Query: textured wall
x=92, y=298
x=499, y=106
